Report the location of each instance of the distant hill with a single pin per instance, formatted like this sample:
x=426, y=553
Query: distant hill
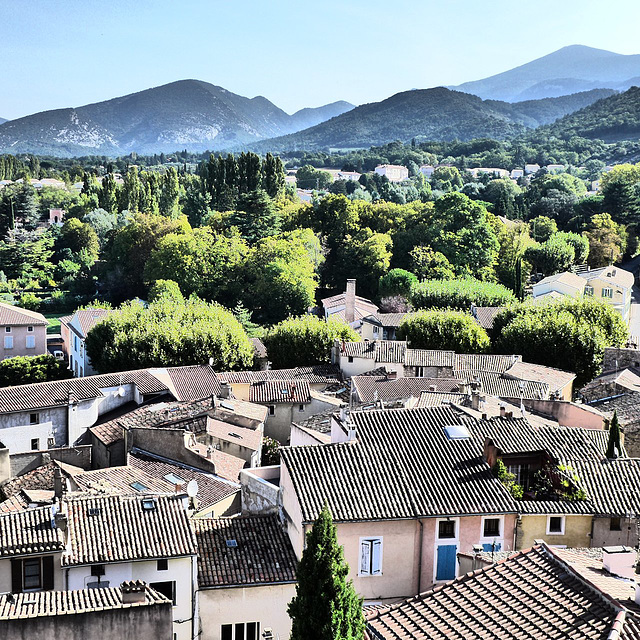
x=569, y=70
x=430, y=114
x=188, y=114
x=3, y=120
x=611, y=119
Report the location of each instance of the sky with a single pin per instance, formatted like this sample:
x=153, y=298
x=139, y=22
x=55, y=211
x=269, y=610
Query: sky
x=296, y=53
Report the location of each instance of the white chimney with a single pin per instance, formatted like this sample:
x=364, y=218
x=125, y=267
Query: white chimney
x=620, y=561
x=350, y=301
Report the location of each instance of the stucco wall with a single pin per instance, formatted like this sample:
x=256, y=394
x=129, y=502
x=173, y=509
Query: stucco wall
x=79, y=456
x=179, y=570
x=266, y=605
x=278, y=425
x=19, y=335
x=5, y=573
x=258, y=494
x=604, y=537
x=577, y=532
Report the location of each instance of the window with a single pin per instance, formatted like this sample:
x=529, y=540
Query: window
x=7, y=329
x=240, y=631
x=615, y=524
x=167, y=589
x=138, y=486
x=162, y=564
x=521, y=472
x=32, y=574
x=34, y=418
x=491, y=528
x=272, y=410
x=97, y=570
x=370, y=557
x=607, y=292
x=300, y=407
x=35, y=444
x=350, y=359
x=555, y=525
x=588, y=291
x=8, y=342
x=30, y=342
x=447, y=529
x=29, y=329
x=75, y=342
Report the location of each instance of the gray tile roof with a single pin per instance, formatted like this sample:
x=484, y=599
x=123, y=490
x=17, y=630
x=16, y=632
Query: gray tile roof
x=193, y=382
x=27, y=532
x=119, y=528
x=555, y=378
x=485, y=316
x=484, y=362
x=280, y=391
x=422, y=474
x=259, y=349
x=22, y=606
x=429, y=358
x=18, y=317
x=85, y=319
x=496, y=384
x=316, y=374
x=533, y=594
x=438, y=399
x=262, y=553
x=370, y=388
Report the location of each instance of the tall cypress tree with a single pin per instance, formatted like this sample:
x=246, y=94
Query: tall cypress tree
x=614, y=438
x=326, y=606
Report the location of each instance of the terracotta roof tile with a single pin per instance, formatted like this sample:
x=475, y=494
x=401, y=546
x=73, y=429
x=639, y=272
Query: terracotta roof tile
x=18, y=317
x=316, y=374
x=280, y=391
x=243, y=551
x=29, y=531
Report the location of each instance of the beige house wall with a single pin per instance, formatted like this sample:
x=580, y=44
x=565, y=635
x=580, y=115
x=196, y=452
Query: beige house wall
x=19, y=335
x=264, y=604
x=577, y=532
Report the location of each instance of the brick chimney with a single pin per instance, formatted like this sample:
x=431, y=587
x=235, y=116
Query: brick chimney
x=133, y=591
x=350, y=301
x=225, y=389
x=58, y=483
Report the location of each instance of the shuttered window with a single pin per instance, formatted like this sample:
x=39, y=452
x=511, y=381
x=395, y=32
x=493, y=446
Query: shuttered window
x=370, y=556
x=32, y=574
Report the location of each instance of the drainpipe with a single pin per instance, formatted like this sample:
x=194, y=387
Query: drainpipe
x=420, y=556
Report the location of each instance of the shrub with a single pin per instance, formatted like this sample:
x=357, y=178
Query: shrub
x=397, y=282
x=460, y=294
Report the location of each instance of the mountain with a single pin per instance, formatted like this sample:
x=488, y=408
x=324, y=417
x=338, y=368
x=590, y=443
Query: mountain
x=3, y=120
x=611, y=119
x=308, y=117
x=430, y=114
x=188, y=114
x=569, y=70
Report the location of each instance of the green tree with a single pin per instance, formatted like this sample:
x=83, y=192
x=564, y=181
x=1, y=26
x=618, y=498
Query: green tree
x=256, y=216
x=108, y=194
x=309, y=178
x=326, y=606
x=273, y=176
x=30, y=369
x=26, y=206
x=170, y=194
x=448, y=330
x=607, y=240
x=553, y=256
x=428, y=264
x=165, y=289
x=305, y=340
x=543, y=228
x=168, y=333
x=77, y=236
x=614, y=449
x=579, y=243
x=397, y=282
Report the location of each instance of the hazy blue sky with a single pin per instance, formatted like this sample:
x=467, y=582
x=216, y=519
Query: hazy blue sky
x=61, y=53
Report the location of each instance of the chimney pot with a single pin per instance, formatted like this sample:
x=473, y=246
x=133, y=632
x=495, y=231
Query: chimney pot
x=133, y=591
x=502, y=411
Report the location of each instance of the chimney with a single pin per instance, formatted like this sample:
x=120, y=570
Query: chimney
x=209, y=452
x=475, y=399
x=432, y=387
x=350, y=301
x=58, y=483
x=225, y=389
x=133, y=591
x=392, y=375
x=620, y=561
x=503, y=411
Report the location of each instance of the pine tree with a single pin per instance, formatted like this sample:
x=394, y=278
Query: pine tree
x=614, y=438
x=107, y=197
x=326, y=606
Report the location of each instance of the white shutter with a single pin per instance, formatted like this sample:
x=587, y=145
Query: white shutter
x=376, y=563
x=365, y=557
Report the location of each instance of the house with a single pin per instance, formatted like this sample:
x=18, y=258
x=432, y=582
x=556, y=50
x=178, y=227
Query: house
x=626, y=406
x=381, y=326
x=555, y=168
x=531, y=168
x=427, y=170
x=348, y=307
x=565, y=283
x=118, y=612
x=485, y=316
x=612, y=285
x=24, y=332
x=56, y=217
x=394, y=172
x=516, y=174
x=74, y=330
x=319, y=377
x=538, y=593
x=115, y=538
x=246, y=577
x=260, y=355
x=43, y=415
x=494, y=172
x=353, y=176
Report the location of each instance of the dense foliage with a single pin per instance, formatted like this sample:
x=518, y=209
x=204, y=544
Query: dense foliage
x=459, y=294
x=169, y=333
x=28, y=369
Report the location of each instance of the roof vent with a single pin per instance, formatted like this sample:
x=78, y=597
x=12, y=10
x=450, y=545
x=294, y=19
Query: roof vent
x=95, y=511
x=457, y=432
x=232, y=544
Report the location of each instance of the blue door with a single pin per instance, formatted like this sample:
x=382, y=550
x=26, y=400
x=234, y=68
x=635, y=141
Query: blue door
x=446, y=563
x=492, y=546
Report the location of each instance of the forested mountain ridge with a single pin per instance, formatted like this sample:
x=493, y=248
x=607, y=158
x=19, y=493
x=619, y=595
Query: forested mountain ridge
x=3, y=120
x=431, y=114
x=570, y=69
x=611, y=119
x=188, y=114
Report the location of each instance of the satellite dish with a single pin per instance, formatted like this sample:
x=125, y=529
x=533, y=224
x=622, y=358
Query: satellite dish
x=192, y=488
x=121, y=391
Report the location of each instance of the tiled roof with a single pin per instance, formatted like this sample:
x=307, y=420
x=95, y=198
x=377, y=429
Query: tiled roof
x=280, y=391
x=530, y=595
x=40, y=478
x=496, y=384
x=193, y=382
x=121, y=480
x=262, y=553
x=424, y=473
x=555, y=378
x=86, y=319
x=20, y=606
x=320, y=422
x=484, y=362
x=363, y=349
x=362, y=305
x=392, y=319
x=18, y=317
x=121, y=528
x=485, y=316
x=211, y=489
x=391, y=351
x=615, y=275
x=259, y=349
x=565, y=277
x=429, y=358
x=627, y=406
x=249, y=438
x=29, y=531
x=438, y=399
x=624, y=380
x=316, y=374
x=371, y=388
